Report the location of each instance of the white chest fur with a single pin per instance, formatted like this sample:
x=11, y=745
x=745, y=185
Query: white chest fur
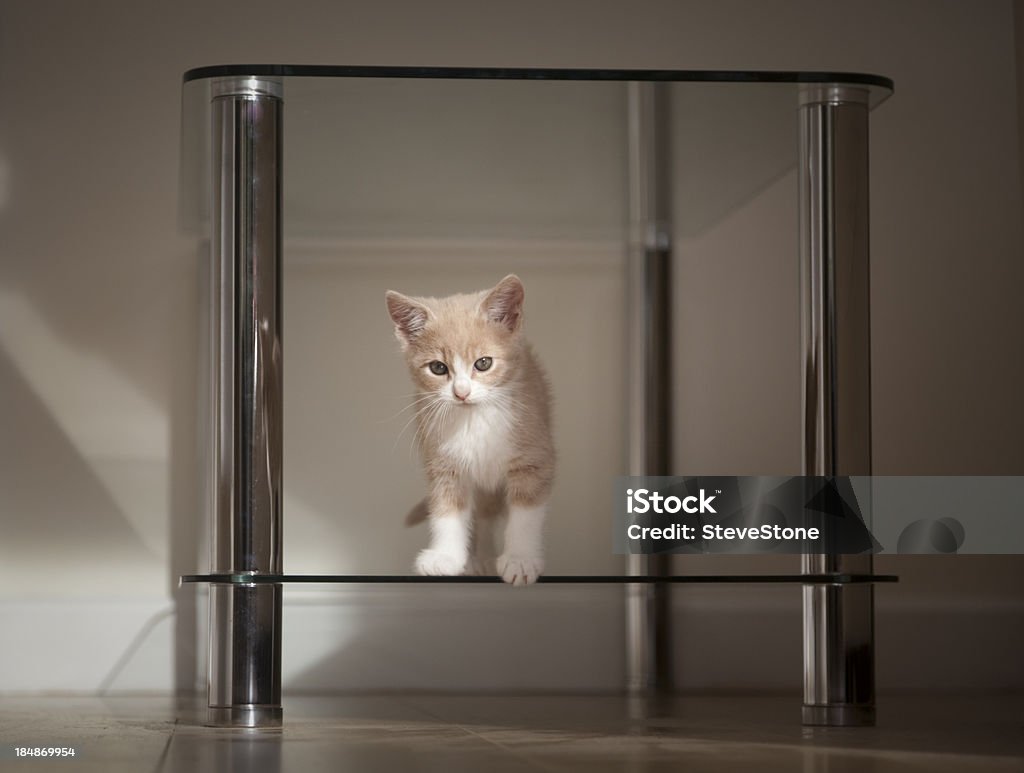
x=478, y=441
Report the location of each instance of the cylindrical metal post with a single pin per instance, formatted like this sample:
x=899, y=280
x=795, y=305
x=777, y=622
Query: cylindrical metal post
x=648, y=658
x=833, y=169
x=245, y=620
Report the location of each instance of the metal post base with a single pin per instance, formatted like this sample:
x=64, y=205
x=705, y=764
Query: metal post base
x=839, y=716
x=839, y=643
x=244, y=716
x=245, y=655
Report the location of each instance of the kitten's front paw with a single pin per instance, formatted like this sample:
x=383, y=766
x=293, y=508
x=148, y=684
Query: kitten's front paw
x=437, y=562
x=520, y=569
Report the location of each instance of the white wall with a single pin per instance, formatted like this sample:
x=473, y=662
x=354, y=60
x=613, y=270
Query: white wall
x=99, y=337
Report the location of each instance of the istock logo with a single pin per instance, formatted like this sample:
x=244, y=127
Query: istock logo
x=642, y=501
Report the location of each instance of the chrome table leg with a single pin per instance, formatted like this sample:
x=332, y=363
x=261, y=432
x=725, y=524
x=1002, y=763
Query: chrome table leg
x=245, y=619
x=648, y=640
x=833, y=168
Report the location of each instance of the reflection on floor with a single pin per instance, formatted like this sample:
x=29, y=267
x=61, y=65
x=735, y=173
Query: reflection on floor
x=593, y=733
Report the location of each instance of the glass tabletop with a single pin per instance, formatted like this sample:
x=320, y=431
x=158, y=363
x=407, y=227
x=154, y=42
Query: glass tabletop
x=882, y=85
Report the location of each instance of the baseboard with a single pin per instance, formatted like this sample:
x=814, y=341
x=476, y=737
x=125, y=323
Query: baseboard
x=491, y=637
x=88, y=646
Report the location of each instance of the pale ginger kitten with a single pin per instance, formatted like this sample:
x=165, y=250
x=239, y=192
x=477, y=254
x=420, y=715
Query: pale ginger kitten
x=484, y=429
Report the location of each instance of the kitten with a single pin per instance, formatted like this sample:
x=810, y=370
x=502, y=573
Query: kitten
x=484, y=429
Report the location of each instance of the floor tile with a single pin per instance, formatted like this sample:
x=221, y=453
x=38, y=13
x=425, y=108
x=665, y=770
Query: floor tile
x=519, y=733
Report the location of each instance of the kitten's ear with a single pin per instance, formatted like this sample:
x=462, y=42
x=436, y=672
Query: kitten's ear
x=504, y=304
x=409, y=316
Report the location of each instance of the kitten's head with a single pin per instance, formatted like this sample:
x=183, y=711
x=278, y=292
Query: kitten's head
x=463, y=348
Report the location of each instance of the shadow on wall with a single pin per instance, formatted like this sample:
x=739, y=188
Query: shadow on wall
x=91, y=481
x=63, y=524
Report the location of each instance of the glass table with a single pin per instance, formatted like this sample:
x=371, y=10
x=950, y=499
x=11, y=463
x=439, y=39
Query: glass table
x=606, y=172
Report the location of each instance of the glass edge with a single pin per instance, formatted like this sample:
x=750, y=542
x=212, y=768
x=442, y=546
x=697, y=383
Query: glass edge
x=842, y=578
x=531, y=73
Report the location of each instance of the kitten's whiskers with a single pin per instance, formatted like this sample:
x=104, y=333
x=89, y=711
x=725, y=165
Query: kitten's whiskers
x=426, y=424
x=418, y=399
x=421, y=410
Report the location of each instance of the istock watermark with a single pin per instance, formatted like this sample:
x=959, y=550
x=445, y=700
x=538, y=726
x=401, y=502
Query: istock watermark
x=805, y=514
x=641, y=501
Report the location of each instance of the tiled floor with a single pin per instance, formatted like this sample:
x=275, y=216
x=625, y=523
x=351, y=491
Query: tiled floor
x=592, y=733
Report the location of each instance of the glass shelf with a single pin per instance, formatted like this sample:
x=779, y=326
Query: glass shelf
x=568, y=579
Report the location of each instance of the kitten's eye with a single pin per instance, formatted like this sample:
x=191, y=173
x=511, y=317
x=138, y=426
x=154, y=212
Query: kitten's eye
x=438, y=368
x=484, y=363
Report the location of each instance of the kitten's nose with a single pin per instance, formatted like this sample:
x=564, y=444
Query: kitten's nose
x=461, y=388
